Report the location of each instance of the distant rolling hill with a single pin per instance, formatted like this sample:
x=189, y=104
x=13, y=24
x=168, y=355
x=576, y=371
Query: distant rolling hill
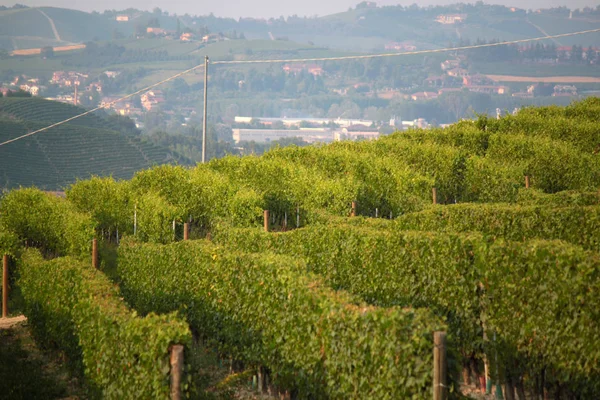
x=27, y=28
x=359, y=29
x=53, y=159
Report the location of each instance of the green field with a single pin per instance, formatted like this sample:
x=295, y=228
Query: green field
x=554, y=25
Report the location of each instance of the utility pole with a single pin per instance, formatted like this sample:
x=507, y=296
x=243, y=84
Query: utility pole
x=205, y=110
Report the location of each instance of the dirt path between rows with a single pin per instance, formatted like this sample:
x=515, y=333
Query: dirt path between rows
x=7, y=323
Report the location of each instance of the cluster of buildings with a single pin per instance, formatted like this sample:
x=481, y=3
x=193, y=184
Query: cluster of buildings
x=187, y=36
x=24, y=83
x=450, y=19
x=149, y=101
x=295, y=69
x=309, y=135
x=404, y=46
x=321, y=129
x=456, y=79
x=300, y=122
x=68, y=78
x=152, y=99
x=557, y=91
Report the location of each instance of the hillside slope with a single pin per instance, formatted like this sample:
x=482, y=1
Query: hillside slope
x=27, y=28
x=57, y=157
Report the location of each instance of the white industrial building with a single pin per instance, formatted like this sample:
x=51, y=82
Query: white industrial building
x=309, y=135
x=289, y=122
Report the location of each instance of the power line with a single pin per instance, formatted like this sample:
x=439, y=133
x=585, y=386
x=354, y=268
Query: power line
x=315, y=59
x=105, y=106
x=381, y=55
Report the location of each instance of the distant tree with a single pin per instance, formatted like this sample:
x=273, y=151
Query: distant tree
x=19, y=93
x=123, y=123
x=117, y=34
x=47, y=52
x=140, y=30
x=154, y=23
x=363, y=4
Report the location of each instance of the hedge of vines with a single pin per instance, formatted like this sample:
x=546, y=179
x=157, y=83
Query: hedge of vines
x=472, y=161
x=43, y=220
x=267, y=310
x=539, y=297
x=78, y=310
x=577, y=225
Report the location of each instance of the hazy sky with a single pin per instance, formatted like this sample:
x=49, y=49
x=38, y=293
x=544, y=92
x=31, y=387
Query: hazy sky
x=271, y=8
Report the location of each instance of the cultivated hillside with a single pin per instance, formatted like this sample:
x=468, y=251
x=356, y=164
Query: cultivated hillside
x=361, y=28
x=77, y=150
x=27, y=28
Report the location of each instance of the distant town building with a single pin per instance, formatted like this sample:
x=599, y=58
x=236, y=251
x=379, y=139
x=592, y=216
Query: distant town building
x=489, y=89
x=294, y=69
x=564, y=90
x=435, y=81
x=112, y=74
x=310, y=135
x=127, y=109
x=296, y=122
x=356, y=133
x=404, y=125
x=213, y=38
x=450, y=64
x=449, y=19
x=404, y=46
x=151, y=99
x=424, y=96
x=122, y=18
x=94, y=87
x=186, y=37
x=34, y=90
x=477, y=79
x=457, y=72
x=449, y=90
x=156, y=31
x=68, y=79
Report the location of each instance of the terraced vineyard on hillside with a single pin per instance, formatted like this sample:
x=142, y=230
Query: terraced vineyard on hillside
x=87, y=146
x=336, y=292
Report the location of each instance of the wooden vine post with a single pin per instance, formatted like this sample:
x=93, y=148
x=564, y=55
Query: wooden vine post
x=440, y=391
x=434, y=195
x=266, y=220
x=526, y=181
x=95, y=253
x=5, y=286
x=176, y=361
x=186, y=231
x=353, y=212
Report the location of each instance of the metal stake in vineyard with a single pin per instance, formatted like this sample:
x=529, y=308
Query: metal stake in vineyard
x=5, y=286
x=205, y=110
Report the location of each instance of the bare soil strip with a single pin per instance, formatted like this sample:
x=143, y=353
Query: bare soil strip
x=546, y=79
x=7, y=323
x=31, y=52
